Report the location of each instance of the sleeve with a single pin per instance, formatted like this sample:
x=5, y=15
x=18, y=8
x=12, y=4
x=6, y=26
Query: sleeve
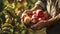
x=39, y=2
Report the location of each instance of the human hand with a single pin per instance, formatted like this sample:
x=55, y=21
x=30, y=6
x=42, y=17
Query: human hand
x=58, y=16
x=29, y=12
x=35, y=27
x=26, y=11
x=41, y=24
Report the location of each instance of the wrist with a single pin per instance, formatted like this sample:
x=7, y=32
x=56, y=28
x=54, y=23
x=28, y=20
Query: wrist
x=57, y=17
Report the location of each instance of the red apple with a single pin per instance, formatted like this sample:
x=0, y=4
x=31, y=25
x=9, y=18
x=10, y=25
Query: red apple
x=30, y=16
x=34, y=12
x=46, y=16
x=39, y=13
x=34, y=18
x=39, y=19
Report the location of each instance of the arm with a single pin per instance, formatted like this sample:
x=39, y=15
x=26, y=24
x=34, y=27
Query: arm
x=34, y=8
x=45, y=23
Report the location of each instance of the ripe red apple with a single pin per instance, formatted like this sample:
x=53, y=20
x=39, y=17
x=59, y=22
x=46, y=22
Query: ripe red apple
x=39, y=19
x=34, y=12
x=34, y=18
x=46, y=16
x=39, y=13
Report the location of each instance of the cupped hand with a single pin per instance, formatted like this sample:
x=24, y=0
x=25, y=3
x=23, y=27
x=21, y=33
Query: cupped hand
x=58, y=16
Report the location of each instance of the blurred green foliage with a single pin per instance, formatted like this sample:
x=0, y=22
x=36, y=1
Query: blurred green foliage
x=11, y=9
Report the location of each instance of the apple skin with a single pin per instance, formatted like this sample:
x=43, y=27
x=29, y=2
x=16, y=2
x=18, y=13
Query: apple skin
x=34, y=18
x=23, y=16
x=27, y=20
x=39, y=13
x=46, y=16
x=34, y=12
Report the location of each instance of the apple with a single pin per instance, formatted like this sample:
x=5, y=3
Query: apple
x=39, y=13
x=34, y=12
x=23, y=16
x=34, y=18
x=46, y=16
x=27, y=20
x=39, y=19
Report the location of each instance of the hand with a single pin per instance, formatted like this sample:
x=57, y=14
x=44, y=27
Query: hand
x=26, y=11
x=29, y=12
x=58, y=16
x=41, y=24
x=35, y=27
